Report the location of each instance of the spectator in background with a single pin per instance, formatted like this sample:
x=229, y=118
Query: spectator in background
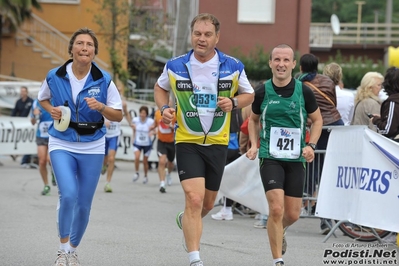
x=233, y=152
x=43, y=120
x=388, y=122
x=22, y=109
x=112, y=142
x=345, y=99
x=23, y=105
x=165, y=149
x=324, y=90
x=111, y=146
x=152, y=165
x=143, y=130
x=367, y=100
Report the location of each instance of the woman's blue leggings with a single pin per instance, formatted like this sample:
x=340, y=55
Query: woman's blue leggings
x=77, y=177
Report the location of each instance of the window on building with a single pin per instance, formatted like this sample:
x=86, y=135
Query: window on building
x=256, y=11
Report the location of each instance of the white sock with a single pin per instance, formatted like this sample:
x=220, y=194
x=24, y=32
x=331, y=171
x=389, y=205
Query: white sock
x=71, y=249
x=64, y=246
x=277, y=260
x=193, y=256
x=227, y=209
x=162, y=183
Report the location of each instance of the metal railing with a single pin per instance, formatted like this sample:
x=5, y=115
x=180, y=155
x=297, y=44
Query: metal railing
x=50, y=40
x=321, y=34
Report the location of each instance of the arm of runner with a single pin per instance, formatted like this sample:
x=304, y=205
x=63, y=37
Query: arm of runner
x=253, y=128
x=161, y=97
x=315, y=132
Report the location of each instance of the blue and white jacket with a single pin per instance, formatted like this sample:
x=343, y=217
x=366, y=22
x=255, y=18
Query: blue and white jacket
x=96, y=86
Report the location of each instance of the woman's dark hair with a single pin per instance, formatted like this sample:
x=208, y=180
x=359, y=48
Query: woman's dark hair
x=83, y=31
x=391, y=81
x=309, y=63
x=144, y=108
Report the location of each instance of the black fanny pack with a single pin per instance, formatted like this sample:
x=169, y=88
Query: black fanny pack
x=86, y=128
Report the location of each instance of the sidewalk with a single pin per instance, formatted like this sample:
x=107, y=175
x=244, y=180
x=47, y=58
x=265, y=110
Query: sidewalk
x=135, y=225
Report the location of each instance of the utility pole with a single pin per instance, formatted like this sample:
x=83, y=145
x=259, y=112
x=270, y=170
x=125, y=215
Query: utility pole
x=182, y=27
x=359, y=18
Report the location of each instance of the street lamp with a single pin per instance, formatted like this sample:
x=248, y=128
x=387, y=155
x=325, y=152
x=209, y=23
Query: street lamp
x=359, y=18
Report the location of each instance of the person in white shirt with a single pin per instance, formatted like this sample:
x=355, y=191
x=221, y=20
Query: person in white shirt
x=143, y=130
x=345, y=99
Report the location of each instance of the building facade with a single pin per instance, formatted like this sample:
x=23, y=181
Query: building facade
x=266, y=23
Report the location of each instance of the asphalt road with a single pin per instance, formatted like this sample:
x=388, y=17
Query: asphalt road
x=135, y=225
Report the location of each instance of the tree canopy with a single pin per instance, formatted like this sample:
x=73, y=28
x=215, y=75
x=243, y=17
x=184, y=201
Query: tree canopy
x=347, y=11
x=17, y=11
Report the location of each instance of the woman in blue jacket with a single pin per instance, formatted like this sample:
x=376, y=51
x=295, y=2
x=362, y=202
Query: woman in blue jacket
x=77, y=150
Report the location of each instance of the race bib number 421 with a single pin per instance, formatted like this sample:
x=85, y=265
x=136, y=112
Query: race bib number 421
x=285, y=142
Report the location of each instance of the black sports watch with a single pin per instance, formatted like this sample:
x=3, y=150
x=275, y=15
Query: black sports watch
x=312, y=145
x=235, y=102
x=163, y=108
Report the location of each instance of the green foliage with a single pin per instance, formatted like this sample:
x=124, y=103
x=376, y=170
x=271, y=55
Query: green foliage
x=347, y=11
x=113, y=17
x=257, y=66
x=165, y=53
x=257, y=63
x=150, y=40
x=148, y=27
x=354, y=69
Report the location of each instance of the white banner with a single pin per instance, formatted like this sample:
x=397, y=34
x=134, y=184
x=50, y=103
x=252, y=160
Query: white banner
x=360, y=181
x=241, y=182
x=17, y=136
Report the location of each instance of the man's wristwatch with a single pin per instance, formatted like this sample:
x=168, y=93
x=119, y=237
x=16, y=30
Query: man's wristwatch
x=312, y=145
x=235, y=102
x=163, y=108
